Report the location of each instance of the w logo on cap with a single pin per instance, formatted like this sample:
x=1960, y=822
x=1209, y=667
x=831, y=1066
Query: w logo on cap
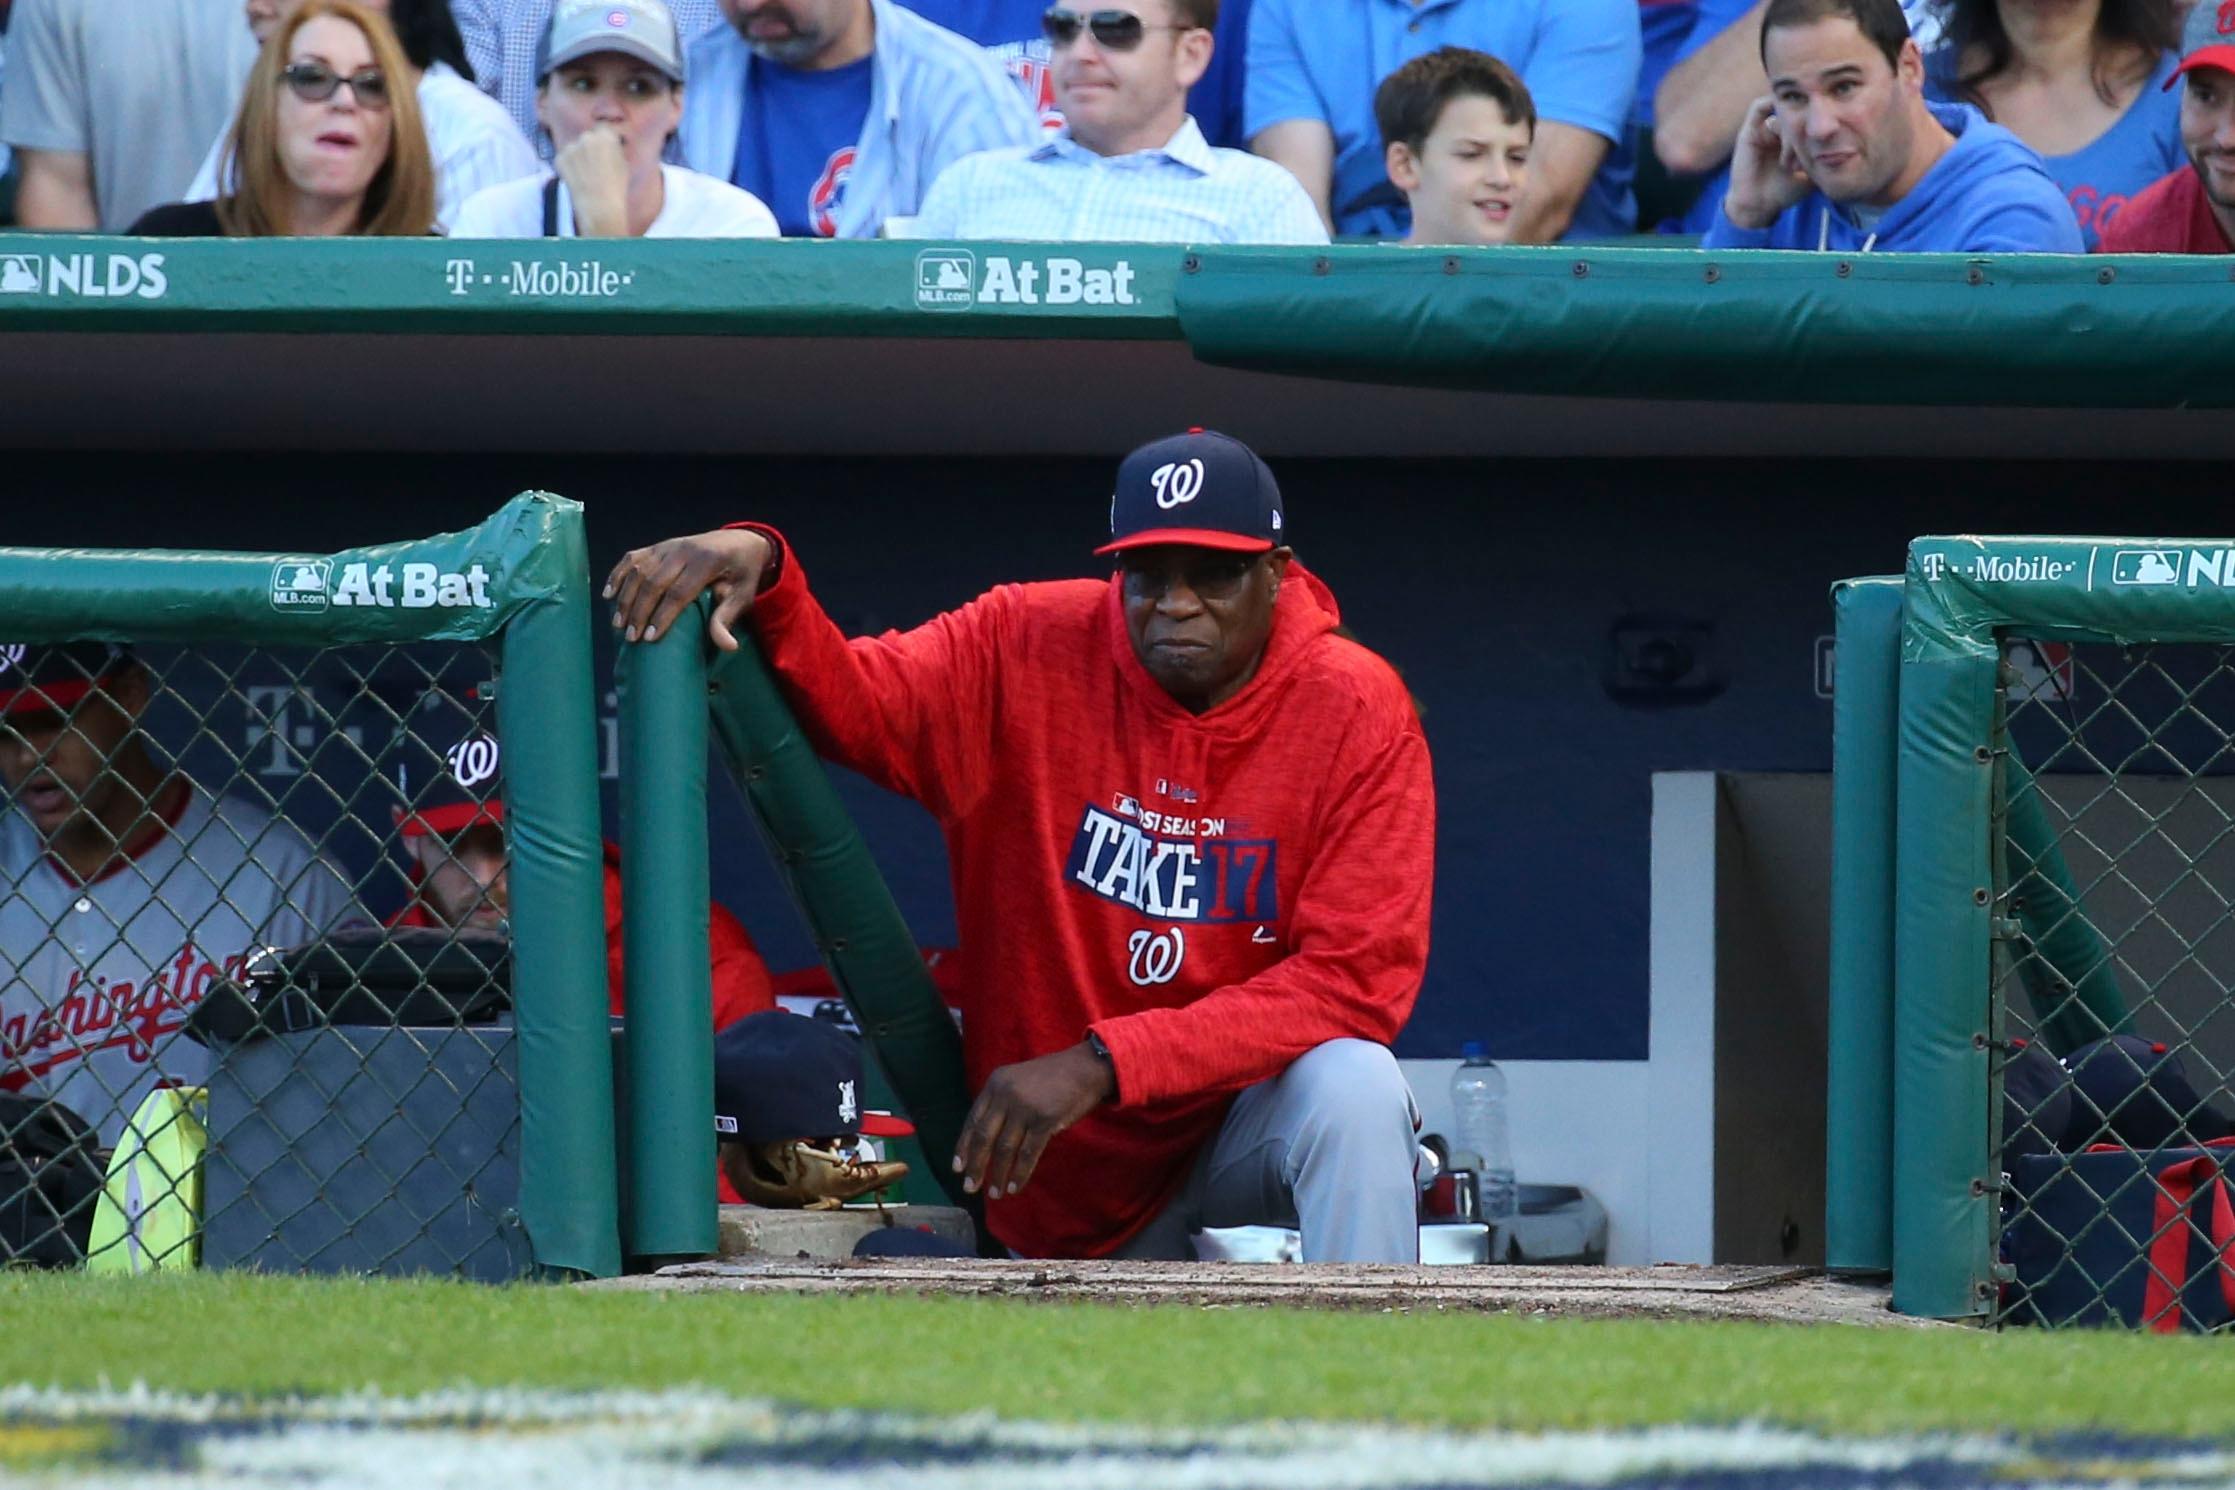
x=12, y=655
x=1178, y=483
x=473, y=761
x=2226, y=18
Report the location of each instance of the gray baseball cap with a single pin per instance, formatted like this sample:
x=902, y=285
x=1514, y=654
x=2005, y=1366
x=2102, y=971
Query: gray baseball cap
x=643, y=29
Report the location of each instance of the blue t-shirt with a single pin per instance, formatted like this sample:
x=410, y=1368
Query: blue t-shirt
x=1010, y=29
x=797, y=138
x=1666, y=27
x=1323, y=59
x=2142, y=145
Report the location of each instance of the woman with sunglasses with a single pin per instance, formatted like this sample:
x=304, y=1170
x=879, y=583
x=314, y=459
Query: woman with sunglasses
x=324, y=146
x=470, y=136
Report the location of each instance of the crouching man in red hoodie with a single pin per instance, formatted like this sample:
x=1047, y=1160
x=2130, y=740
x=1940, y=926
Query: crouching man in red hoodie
x=1191, y=832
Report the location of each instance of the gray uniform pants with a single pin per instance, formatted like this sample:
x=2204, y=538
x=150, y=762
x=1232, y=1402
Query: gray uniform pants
x=1325, y=1147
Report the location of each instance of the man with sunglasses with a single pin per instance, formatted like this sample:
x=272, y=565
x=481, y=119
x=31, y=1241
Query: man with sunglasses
x=839, y=114
x=1191, y=831
x=1130, y=164
x=1314, y=66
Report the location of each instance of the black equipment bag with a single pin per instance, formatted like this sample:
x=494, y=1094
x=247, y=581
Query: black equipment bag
x=50, y=1175
x=364, y=976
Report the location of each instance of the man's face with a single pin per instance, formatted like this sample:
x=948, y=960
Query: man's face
x=1467, y=175
x=57, y=764
x=462, y=877
x=1108, y=94
x=1843, y=110
x=634, y=99
x=793, y=32
x=1199, y=617
x=2208, y=131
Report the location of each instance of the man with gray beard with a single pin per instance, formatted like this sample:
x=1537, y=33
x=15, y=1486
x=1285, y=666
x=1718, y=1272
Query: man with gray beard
x=839, y=114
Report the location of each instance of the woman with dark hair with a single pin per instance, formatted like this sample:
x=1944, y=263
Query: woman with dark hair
x=471, y=138
x=325, y=144
x=2081, y=81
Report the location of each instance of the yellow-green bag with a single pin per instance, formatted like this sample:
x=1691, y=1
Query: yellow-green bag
x=149, y=1215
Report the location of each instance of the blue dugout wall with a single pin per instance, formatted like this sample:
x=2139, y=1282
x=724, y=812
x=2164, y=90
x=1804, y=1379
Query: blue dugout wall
x=1506, y=592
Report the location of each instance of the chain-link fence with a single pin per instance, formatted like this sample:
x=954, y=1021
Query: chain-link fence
x=2114, y=1015
x=259, y=883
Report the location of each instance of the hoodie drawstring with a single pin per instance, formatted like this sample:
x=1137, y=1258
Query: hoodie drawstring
x=1823, y=234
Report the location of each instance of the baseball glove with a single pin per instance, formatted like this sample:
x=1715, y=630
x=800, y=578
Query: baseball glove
x=805, y=1174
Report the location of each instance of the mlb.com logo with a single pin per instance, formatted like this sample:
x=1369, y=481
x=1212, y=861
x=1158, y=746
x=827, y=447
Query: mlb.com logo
x=2146, y=566
x=946, y=279
x=301, y=584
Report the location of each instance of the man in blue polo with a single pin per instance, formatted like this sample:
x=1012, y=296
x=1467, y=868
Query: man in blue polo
x=840, y=114
x=1129, y=165
x=1314, y=65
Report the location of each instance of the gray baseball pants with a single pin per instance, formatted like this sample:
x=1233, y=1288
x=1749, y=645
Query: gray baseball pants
x=1325, y=1147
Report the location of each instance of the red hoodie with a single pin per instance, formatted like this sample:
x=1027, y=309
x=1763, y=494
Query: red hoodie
x=1213, y=894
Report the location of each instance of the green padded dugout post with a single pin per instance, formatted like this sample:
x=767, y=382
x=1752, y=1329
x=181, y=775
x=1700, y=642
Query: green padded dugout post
x=1943, y=1210
x=521, y=577
x=671, y=1210
x=2070, y=979
x=1859, y=1064
x=857, y=927
x=569, y=1194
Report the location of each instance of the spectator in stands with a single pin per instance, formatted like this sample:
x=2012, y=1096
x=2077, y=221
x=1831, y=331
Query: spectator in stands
x=448, y=767
x=126, y=890
x=1314, y=65
x=473, y=142
x=1702, y=96
x=841, y=113
x=502, y=37
x=1011, y=30
x=2082, y=83
x=108, y=105
x=327, y=143
x=1129, y=164
x=2192, y=211
x=1846, y=154
x=609, y=91
x=1457, y=125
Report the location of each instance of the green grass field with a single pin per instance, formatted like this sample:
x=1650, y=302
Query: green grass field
x=1072, y=1363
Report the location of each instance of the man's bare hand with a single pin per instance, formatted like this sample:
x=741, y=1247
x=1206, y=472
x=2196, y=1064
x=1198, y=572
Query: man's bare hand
x=1767, y=174
x=650, y=587
x=1021, y=1108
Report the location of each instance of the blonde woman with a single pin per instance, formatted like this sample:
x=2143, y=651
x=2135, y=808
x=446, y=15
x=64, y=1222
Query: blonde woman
x=328, y=142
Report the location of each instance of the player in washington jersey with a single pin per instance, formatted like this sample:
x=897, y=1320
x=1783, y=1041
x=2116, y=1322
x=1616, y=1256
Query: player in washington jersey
x=1191, y=832
x=125, y=889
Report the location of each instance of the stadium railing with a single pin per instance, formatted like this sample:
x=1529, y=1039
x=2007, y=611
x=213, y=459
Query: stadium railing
x=322, y=692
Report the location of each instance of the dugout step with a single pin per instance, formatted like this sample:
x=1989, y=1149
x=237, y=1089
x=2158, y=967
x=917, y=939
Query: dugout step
x=752, y=1231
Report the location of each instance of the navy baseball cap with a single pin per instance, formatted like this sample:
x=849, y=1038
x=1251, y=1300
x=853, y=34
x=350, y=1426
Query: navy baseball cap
x=446, y=764
x=780, y=1075
x=1203, y=489
x=38, y=678
x=2138, y=1092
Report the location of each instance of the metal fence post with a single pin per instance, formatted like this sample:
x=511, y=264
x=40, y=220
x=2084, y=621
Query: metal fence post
x=671, y=1208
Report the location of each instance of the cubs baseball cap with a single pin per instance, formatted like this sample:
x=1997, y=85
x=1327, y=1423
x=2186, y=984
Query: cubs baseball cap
x=780, y=1075
x=643, y=29
x=55, y=677
x=447, y=765
x=1203, y=489
x=2208, y=40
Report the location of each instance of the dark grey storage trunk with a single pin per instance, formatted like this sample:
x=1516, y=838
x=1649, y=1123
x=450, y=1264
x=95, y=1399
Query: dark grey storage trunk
x=367, y=1150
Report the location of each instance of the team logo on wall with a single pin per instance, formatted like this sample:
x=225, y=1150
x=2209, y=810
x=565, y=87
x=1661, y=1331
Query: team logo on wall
x=2146, y=566
x=473, y=761
x=1155, y=956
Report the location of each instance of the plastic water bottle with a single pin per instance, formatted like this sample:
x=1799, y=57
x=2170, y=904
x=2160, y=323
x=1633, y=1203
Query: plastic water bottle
x=1478, y=1110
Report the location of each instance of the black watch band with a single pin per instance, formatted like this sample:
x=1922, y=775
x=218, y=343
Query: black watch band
x=1101, y=1051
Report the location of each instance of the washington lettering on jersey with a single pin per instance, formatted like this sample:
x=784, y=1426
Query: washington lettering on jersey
x=1174, y=869
x=100, y=1013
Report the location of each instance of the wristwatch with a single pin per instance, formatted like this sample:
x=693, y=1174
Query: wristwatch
x=1101, y=1051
